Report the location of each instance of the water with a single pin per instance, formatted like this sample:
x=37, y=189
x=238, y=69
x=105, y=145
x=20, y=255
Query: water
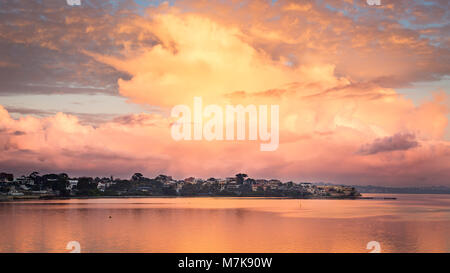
x=412, y=223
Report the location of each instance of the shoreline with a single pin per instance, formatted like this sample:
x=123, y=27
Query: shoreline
x=44, y=198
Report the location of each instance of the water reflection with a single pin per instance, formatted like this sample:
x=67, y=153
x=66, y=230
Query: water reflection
x=413, y=223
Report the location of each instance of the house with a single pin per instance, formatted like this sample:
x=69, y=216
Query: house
x=191, y=180
x=72, y=183
x=164, y=178
x=231, y=180
x=274, y=184
x=102, y=186
x=23, y=180
x=232, y=186
x=179, y=186
x=14, y=192
x=222, y=182
x=260, y=181
x=199, y=181
x=170, y=183
x=23, y=187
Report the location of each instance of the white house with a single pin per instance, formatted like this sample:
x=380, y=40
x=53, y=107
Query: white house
x=72, y=183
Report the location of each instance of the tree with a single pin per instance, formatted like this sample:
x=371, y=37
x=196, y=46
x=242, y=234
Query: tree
x=246, y=189
x=240, y=178
x=137, y=177
x=6, y=176
x=188, y=190
x=33, y=175
x=250, y=181
x=63, y=176
x=37, y=180
x=56, y=182
x=86, y=186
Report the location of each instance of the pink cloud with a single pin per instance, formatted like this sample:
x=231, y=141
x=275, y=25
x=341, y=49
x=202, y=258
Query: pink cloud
x=333, y=80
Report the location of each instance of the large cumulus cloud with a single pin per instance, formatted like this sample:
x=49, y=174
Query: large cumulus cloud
x=332, y=71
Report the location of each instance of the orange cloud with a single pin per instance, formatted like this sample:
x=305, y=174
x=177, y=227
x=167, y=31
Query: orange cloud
x=320, y=139
x=334, y=82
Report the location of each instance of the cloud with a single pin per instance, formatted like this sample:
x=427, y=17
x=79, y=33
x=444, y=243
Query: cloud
x=366, y=44
x=202, y=53
x=18, y=133
x=41, y=47
x=186, y=65
x=318, y=140
x=45, y=43
x=397, y=142
x=332, y=72
x=85, y=118
x=29, y=111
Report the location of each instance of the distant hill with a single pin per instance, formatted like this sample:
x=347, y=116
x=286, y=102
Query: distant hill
x=381, y=189
x=418, y=190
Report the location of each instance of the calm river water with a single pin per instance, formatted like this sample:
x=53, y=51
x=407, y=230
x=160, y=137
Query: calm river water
x=412, y=223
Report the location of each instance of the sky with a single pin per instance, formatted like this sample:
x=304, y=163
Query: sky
x=363, y=91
